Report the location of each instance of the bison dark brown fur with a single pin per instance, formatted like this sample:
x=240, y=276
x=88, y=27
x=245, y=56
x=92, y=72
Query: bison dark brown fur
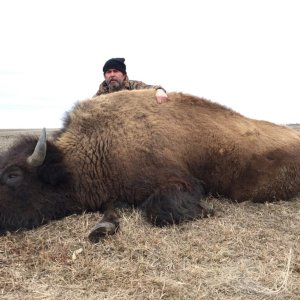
x=162, y=158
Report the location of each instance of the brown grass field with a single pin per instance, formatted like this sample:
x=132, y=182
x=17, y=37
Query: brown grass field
x=247, y=251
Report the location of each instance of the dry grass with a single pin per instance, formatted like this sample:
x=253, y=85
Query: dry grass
x=248, y=251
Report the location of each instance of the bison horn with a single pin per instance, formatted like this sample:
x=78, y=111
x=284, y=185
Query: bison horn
x=39, y=153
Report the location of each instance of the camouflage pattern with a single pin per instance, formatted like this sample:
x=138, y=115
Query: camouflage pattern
x=128, y=85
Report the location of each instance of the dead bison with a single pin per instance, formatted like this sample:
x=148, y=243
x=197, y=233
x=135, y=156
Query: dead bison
x=161, y=158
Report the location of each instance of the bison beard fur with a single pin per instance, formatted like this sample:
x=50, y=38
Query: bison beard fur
x=164, y=159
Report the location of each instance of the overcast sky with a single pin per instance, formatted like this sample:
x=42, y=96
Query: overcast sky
x=244, y=54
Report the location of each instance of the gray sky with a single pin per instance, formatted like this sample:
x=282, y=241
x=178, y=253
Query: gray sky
x=242, y=54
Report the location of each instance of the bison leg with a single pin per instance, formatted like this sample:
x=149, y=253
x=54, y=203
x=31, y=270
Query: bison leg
x=108, y=225
x=175, y=203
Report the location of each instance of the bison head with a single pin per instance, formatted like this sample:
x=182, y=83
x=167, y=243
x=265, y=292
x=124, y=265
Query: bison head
x=32, y=175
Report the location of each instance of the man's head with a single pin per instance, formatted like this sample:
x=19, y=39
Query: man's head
x=116, y=64
x=114, y=71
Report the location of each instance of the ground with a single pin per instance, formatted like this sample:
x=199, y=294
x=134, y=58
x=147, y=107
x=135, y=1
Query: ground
x=247, y=251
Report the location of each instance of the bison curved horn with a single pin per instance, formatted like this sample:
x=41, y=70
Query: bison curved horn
x=39, y=153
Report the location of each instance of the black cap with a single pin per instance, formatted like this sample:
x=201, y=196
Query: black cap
x=115, y=63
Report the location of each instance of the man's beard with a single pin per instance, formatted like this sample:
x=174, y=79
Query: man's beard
x=117, y=85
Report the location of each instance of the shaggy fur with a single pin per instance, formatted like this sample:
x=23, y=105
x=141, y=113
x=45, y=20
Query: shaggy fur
x=124, y=147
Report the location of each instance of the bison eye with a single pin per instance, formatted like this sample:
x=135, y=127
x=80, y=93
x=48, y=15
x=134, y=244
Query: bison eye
x=13, y=176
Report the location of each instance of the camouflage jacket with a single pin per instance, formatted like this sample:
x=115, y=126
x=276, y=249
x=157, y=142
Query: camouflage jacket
x=128, y=85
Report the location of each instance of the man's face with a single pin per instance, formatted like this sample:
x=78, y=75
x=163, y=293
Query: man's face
x=114, y=79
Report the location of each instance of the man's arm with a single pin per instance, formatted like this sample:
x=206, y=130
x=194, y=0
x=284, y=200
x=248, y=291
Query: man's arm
x=161, y=95
x=103, y=89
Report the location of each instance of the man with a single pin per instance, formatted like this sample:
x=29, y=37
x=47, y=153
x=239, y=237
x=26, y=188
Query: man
x=116, y=79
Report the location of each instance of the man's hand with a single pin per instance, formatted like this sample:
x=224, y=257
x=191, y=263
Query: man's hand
x=161, y=96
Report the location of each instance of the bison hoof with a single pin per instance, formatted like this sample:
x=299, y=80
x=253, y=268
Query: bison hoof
x=101, y=230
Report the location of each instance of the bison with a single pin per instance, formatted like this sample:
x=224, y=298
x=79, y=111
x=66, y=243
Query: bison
x=124, y=148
